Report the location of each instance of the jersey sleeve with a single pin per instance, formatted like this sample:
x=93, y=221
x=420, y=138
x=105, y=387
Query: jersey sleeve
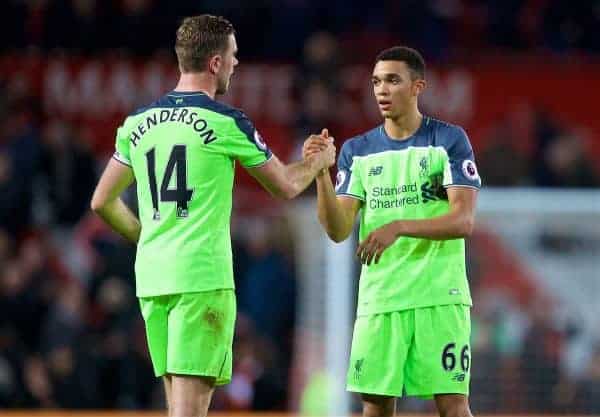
x=348, y=180
x=460, y=169
x=122, y=147
x=247, y=145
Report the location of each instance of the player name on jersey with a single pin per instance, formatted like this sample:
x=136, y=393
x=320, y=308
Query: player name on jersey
x=179, y=115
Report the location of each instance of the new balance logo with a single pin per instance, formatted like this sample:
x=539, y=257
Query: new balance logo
x=376, y=170
x=459, y=377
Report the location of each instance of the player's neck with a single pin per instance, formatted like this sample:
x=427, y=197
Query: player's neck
x=201, y=82
x=404, y=126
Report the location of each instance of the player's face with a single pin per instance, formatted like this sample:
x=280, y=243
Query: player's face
x=395, y=90
x=229, y=61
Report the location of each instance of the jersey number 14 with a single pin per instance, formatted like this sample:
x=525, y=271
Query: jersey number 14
x=180, y=194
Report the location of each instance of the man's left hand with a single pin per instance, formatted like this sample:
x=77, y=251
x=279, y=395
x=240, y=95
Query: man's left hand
x=378, y=241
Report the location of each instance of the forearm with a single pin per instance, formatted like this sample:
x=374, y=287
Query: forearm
x=300, y=174
x=454, y=225
x=121, y=219
x=331, y=215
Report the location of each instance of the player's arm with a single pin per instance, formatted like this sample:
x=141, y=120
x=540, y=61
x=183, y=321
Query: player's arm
x=287, y=181
x=107, y=203
x=336, y=213
x=457, y=223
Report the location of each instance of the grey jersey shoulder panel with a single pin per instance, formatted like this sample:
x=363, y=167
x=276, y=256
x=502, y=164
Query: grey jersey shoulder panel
x=432, y=132
x=194, y=99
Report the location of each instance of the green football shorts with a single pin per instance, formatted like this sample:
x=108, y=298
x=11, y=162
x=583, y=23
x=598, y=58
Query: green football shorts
x=191, y=333
x=419, y=352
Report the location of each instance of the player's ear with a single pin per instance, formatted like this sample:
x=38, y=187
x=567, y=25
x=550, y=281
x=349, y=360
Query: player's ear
x=418, y=86
x=214, y=64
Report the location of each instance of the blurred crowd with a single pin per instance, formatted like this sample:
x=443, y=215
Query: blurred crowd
x=548, y=155
x=277, y=29
x=70, y=331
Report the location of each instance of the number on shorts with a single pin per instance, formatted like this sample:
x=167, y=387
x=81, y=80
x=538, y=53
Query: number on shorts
x=449, y=357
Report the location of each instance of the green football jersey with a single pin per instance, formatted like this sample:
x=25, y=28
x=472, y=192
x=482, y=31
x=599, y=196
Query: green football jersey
x=182, y=149
x=407, y=179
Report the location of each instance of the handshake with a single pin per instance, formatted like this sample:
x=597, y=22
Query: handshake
x=319, y=150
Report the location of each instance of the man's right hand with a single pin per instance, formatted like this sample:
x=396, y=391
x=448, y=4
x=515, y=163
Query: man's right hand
x=321, y=148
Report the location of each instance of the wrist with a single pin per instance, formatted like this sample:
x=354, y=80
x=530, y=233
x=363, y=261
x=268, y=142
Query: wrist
x=322, y=173
x=399, y=228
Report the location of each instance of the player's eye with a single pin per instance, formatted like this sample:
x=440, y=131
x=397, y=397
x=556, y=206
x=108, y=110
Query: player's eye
x=375, y=81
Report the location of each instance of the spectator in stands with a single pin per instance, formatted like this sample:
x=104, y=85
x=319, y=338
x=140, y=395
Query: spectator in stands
x=80, y=26
x=270, y=325
x=24, y=299
x=321, y=61
x=563, y=163
x=72, y=377
x=12, y=217
x=541, y=359
x=501, y=164
x=269, y=272
x=317, y=85
x=260, y=377
x=65, y=321
x=69, y=168
x=113, y=328
x=559, y=158
x=19, y=164
x=406, y=20
x=571, y=26
x=318, y=109
x=136, y=27
x=39, y=392
x=12, y=391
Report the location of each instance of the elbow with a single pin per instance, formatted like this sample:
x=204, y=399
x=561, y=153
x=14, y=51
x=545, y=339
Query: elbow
x=284, y=194
x=288, y=192
x=336, y=232
x=97, y=204
x=337, y=237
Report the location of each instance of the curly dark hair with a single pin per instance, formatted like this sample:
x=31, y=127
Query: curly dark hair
x=413, y=59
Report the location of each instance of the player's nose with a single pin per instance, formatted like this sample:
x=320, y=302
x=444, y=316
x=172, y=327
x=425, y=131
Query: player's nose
x=381, y=90
x=382, y=93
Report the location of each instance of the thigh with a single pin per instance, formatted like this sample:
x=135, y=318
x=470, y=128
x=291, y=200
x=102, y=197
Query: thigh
x=439, y=361
x=155, y=311
x=201, y=327
x=380, y=345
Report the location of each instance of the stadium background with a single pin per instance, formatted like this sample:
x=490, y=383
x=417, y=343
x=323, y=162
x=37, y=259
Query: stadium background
x=522, y=76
